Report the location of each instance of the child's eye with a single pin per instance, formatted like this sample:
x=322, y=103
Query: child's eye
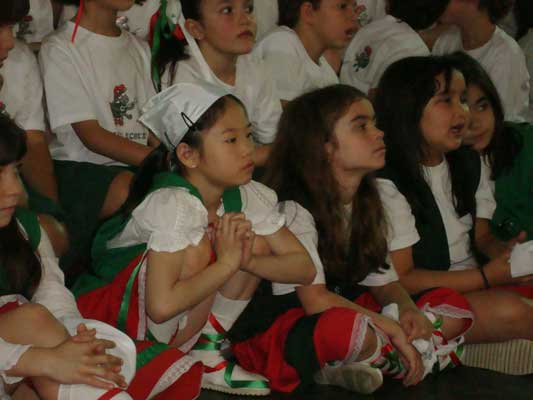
x=250, y=8
x=227, y=10
x=250, y=135
x=342, y=6
x=231, y=140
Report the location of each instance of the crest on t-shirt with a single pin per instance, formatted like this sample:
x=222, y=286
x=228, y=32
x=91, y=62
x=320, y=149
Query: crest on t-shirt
x=24, y=27
x=121, y=105
x=3, y=110
x=362, y=59
x=364, y=18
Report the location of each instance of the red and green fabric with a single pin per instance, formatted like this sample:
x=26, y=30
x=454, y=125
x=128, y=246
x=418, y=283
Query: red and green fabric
x=111, y=292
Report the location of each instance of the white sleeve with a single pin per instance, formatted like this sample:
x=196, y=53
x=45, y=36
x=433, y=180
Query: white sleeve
x=301, y=223
x=67, y=100
x=9, y=357
x=31, y=116
x=511, y=78
x=52, y=292
x=284, y=64
x=172, y=219
x=260, y=205
x=382, y=277
x=485, y=202
x=268, y=110
x=401, y=222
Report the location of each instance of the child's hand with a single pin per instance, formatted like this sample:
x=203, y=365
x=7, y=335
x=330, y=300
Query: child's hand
x=498, y=270
x=83, y=334
x=248, y=237
x=520, y=238
x=415, y=324
x=230, y=238
x=85, y=363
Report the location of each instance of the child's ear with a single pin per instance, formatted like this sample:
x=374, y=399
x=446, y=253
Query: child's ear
x=188, y=156
x=195, y=28
x=329, y=148
x=307, y=12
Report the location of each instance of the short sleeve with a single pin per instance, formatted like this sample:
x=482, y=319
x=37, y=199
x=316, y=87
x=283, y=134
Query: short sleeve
x=281, y=57
x=401, y=222
x=485, y=202
x=52, y=292
x=260, y=205
x=170, y=220
x=31, y=116
x=301, y=223
x=267, y=110
x=382, y=277
x=67, y=100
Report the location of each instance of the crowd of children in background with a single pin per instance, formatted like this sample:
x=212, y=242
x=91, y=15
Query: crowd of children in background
x=391, y=234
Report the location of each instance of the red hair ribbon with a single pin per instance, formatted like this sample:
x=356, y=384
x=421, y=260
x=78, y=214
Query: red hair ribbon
x=77, y=23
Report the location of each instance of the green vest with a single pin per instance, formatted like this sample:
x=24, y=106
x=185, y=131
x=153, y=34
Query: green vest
x=107, y=263
x=432, y=250
x=514, y=189
x=30, y=223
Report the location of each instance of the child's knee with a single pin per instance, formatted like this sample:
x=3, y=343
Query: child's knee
x=117, y=194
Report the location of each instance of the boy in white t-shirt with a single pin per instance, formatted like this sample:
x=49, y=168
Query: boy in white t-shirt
x=96, y=78
x=295, y=51
x=477, y=34
x=387, y=40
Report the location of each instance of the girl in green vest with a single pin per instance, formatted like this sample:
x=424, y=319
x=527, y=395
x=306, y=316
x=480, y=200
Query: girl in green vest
x=196, y=235
x=439, y=192
x=35, y=337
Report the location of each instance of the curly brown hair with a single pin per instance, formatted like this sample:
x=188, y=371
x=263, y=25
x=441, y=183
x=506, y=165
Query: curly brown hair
x=299, y=170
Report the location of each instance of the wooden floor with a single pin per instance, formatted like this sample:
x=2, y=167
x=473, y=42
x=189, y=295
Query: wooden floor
x=460, y=384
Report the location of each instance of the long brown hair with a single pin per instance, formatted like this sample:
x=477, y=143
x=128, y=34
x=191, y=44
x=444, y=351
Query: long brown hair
x=20, y=269
x=299, y=170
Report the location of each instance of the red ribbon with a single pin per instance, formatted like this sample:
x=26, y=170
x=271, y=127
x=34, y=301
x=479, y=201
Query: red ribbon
x=77, y=23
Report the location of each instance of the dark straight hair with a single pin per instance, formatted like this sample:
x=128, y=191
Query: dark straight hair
x=21, y=268
x=12, y=11
x=289, y=11
x=523, y=12
x=403, y=92
x=418, y=14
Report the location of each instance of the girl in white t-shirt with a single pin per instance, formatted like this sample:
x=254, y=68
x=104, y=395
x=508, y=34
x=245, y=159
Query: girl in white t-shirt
x=434, y=189
x=477, y=34
x=96, y=78
x=388, y=39
x=294, y=51
x=21, y=98
x=196, y=187
x=205, y=41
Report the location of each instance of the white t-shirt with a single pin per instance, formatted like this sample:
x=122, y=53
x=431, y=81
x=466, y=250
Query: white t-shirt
x=137, y=19
x=401, y=220
x=293, y=70
x=302, y=224
x=37, y=24
x=171, y=219
x=375, y=10
x=21, y=96
x=526, y=43
x=505, y=63
x=267, y=15
x=254, y=86
x=375, y=47
x=97, y=78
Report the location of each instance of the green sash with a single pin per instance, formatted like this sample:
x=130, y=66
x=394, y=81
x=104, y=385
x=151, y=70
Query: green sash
x=107, y=263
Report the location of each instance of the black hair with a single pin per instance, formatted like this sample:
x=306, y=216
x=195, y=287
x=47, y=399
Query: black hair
x=12, y=11
x=173, y=50
x=523, y=12
x=21, y=269
x=504, y=146
x=418, y=14
x=403, y=92
x=497, y=9
x=289, y=11
x=163, y=160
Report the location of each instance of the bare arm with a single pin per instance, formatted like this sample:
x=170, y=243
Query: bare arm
x=290, y=262
x=37, y=167
x=110, y=145
x=393, y=293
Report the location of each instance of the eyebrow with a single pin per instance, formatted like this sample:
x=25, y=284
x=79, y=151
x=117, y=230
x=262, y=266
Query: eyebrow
x=358, y=118
x=482, y=99
x=231, y=130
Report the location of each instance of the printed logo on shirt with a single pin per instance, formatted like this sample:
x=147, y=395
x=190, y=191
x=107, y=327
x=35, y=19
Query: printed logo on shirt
x=362, y=59
x=364, y=18
x=3, y=110
x=121, y=105
x=24, y=27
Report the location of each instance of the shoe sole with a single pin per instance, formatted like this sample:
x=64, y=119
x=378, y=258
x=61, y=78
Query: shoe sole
x=238, y=391
x=514, y=357
x=364, y=380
